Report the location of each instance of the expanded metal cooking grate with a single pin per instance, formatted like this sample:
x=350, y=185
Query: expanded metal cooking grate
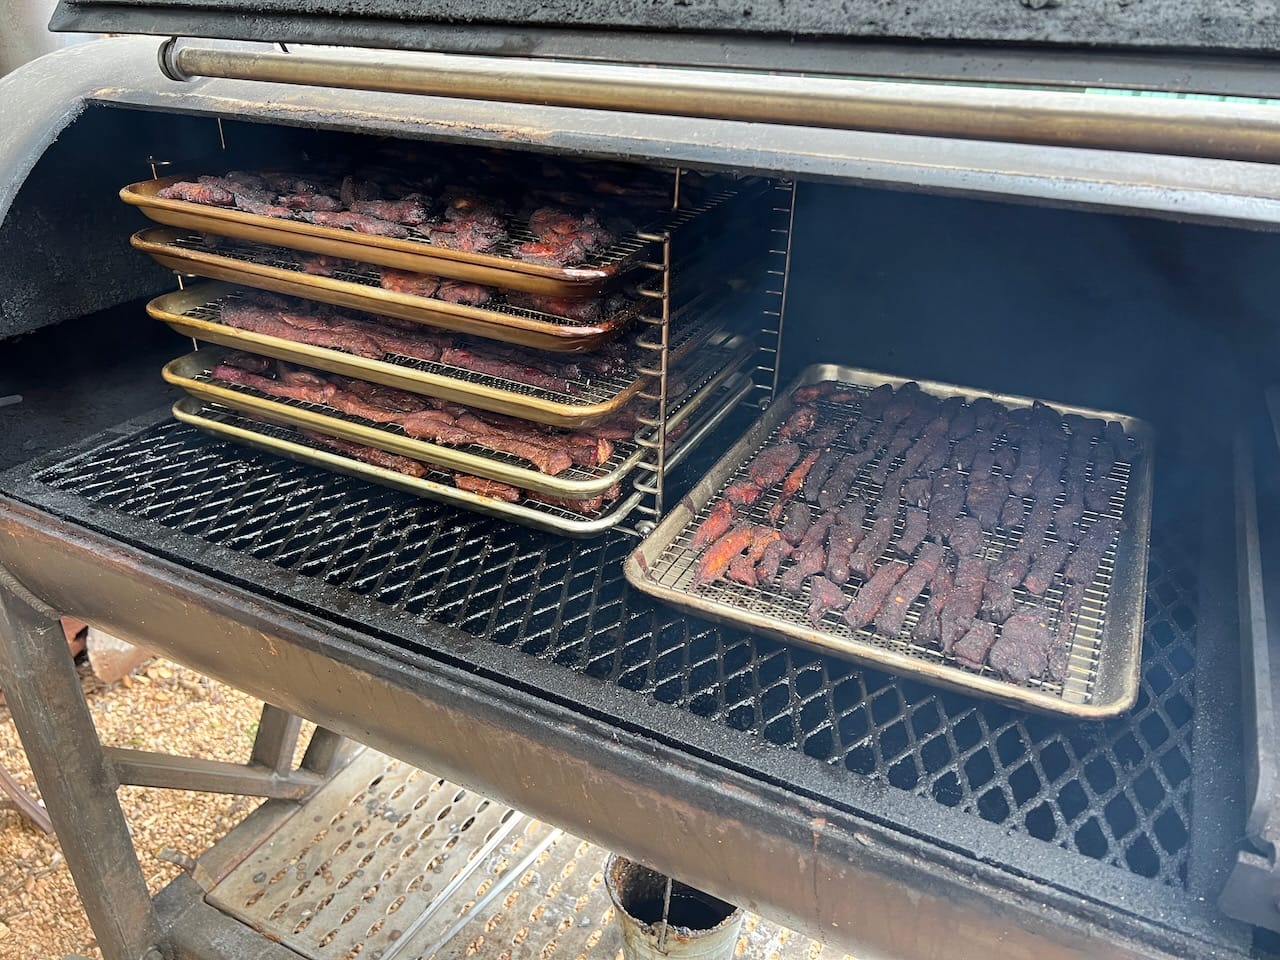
x=1117, y=791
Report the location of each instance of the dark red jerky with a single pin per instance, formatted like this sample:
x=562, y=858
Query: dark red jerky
x=1104, y=460
x=1072, y=601
x=875, y=401
x=1072, y=510
x=936, y=460
x=963, y=423
x=903, y=404
x=986, y=412
x=799, y=516
x=947, y=498
x=771, y=560
x=965, y=536
x=873, y=545
x=1049, y=560
x=916, y=492
x=1012, y=512
x=310, y=201
x=206, y=193
x=743, y=493
x=962, y=603
x=371, y=455
x=409, y=212
x=1005, y=459
x=1099, y=493
x=1037, y=524
x=824, y=597
x=934, y=437
x=1083, y=563
x=998, y=601
x=971, y=649
x=1059, y=661
x=360, y=223
x=841, y=479
x=928, y=629
x=844, y=537
x=912, y=583
x=819, y=474
x=1022, y=649
x=487, y=488
x=873, y=594
x=966, y=451
x=914, y=528
x=809, y=556
x=986, y=498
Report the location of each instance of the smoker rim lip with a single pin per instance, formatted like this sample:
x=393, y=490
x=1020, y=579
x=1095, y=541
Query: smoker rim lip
x=977, y=843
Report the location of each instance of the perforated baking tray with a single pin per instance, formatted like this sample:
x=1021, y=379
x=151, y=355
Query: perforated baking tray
x=195, y=312
x=1102, y=677
x=417, y=253
x=701, y=376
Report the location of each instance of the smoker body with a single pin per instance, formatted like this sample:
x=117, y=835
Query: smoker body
x=859, y=808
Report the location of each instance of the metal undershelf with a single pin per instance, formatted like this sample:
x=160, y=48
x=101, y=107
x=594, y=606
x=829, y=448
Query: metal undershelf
x=388, y=861
x=1105, y=810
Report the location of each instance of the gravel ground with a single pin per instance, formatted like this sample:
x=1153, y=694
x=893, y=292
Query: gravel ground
x=163, y=707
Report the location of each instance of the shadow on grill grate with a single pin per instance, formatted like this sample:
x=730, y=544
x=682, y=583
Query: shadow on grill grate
x=1118, y=791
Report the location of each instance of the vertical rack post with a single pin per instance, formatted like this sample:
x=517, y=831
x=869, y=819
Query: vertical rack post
x=778, y=274
x=656, y=438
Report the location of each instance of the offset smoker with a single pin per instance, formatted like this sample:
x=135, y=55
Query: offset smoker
x=868, y=811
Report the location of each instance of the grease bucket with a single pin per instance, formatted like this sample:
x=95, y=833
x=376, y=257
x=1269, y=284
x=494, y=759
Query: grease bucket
x=699, y=926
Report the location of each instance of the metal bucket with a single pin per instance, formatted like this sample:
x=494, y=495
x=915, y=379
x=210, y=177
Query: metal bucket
x=698, y=927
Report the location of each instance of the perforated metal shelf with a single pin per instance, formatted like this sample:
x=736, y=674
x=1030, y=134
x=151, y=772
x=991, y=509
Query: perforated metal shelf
x=386, y=861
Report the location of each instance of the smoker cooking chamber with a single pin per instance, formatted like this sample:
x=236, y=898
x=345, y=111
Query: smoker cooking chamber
x=1108, y=813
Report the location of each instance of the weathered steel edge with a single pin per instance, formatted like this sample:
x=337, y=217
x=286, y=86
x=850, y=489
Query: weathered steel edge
x=619, y=30
x=66, y=563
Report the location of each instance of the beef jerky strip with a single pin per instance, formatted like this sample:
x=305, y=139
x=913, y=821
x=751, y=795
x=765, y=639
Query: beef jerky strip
x=985, y=499
x=1049, y=560
x=359, y=222
x=844, y=537
x=863, y=560
x=934, y=436
x=582, y=505
x=939, y=458
x=962, y=603
x=1036, y=525
x=819, y=473
x=1072, y=509
x=914, y=528
x=946, y=500
x=986, y=413
x=809, y=555
x=495, y=366
x=1012, y=512
x=321, y=393
x=208, y=193
x=894, y=613
x=822, y=437
x=1099, y=493
x=1029, y=464
x=1104, y=460
x=822, y=391
x=963, y=423
x=1068, y=618
x=1022, y=649
x=792, y=484
x=798, y=422
x=915, y=492
x=769, y=466
x=715, y=526
x=998, y=600
x=873, y=403
x=799, y=517
x=771, y=560
x=1122, y=447
x=743, y=567
x=904, y=403
x=841, y=479
x=372, y=455
x=713, y=564
x=965, y=536
x=971, y=649
x=487, y=488
x=966, y=451
x=1059, y=661
x=824, y=597
x=1083, y=564
x=927, y=629
x=873, y=594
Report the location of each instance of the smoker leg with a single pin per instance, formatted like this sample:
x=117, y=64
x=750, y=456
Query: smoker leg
x=76, y=781
x=276, y=739
x=326, y=752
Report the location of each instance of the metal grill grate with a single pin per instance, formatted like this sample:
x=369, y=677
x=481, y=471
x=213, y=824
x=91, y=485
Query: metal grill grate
x=1117, y=791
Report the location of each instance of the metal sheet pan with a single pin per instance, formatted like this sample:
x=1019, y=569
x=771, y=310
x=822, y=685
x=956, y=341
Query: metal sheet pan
x=436, y=485
x=529, y=328
x=703, y=374
x=1107, y=639
x=193, y=312
x=417, y=254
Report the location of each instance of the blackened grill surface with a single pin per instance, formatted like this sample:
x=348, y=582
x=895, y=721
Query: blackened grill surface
x=1117, y=791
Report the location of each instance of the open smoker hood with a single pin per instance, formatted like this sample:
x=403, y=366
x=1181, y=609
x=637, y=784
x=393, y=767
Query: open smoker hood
x=1214, y=46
